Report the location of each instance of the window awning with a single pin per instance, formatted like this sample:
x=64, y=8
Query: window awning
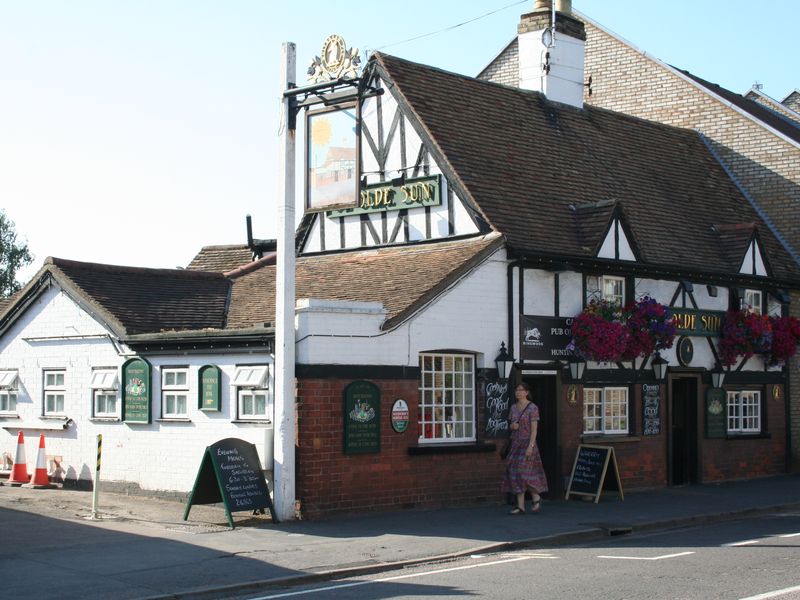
x=251, y=376
x=104, y=379
x=8, y=379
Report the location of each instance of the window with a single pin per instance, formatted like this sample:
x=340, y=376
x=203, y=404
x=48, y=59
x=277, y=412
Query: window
x=605, y=287
x=252, y=392
x=752, y=301
x=54, y=392
x=744, y=412
x=8, y=391
x=174, y=392
x=447, y=397
x=605, y=410
x=104, y=386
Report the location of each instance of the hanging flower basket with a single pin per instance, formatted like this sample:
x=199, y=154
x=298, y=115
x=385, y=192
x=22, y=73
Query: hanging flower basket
x=605, y=332
x=785, y=338
x=744, y=334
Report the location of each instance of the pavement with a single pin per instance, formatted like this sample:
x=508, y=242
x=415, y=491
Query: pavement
x=140, y=547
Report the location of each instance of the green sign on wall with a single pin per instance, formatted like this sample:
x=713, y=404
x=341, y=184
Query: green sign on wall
x=690, y=321
x=136, y=391
x=716, y=413
x=209, y=388
x=362, y=418
x=381, y=197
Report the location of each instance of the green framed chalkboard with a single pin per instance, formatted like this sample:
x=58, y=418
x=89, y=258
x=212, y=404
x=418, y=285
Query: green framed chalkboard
x=136, y=391
x=590, y=470
x=362, y=418
x=716, y=413
x=209, y=388
x=230, y=472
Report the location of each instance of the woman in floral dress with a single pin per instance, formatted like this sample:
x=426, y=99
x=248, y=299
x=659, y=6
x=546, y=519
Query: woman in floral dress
x=524, y=470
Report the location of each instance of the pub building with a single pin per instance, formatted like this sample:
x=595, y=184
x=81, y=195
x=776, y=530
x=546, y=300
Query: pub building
x=457, y=231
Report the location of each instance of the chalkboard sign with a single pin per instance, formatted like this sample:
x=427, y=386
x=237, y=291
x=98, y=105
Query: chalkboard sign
x=589, y=472
x=497, y=406
x=716, y=413
x=136, y=391
x=651, y=409
x=362, y=418
x=230, y=472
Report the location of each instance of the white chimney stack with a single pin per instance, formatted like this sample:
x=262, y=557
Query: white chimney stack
x=551, y=58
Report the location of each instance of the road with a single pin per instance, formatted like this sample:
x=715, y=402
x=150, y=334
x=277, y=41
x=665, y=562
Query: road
x=756, y=559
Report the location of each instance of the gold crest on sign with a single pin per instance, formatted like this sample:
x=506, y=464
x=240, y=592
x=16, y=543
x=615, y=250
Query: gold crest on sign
x=336, y=61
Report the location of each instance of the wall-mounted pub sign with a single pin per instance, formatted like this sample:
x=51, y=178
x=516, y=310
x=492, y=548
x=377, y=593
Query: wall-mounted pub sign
x=381, y=197
x=362, y=418
x=136, y=391
x=690, y=321
x=544, y=338
x=209, y=388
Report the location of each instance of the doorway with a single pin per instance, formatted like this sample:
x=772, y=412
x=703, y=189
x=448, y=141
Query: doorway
x=544, y=394
x=683, y=456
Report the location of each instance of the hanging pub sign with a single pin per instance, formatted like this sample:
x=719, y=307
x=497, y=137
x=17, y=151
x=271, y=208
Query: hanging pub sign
x=209, y=388
x=690, y=321
x=498, y=404
x=544, y=338
x=381, y=197
x=362, y=418
x=715, y=413
x=399, y=416
x=136, y=391
x=651, y=409
x=332, y=158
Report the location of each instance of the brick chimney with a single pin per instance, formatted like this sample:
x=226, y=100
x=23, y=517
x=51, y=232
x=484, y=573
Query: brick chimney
x=552, y=62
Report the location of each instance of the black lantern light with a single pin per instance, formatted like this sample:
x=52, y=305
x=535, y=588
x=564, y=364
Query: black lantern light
x=576, y=367
x=504, y=362
x=717, y=377
x=659, y=367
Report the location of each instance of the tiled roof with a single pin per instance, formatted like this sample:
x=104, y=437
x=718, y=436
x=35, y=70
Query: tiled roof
x=402, y=278
x=136, y=300
x=221, y=258
x=525, y=162
x=769, y=117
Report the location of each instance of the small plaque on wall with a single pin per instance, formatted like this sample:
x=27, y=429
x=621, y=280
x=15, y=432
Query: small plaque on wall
x=136, y=391
x=362, y=418
x=209, y=388
x=685, y=351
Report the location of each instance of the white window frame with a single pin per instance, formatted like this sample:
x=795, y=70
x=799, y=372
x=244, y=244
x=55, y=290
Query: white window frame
x=104, y=386
x=598, y=290
x=744, y=412
x=250, y=381
x=54, y=393
x=447, y=409
x=8, y=392
x=753, y=301
x=174, y=394
x=599, y=405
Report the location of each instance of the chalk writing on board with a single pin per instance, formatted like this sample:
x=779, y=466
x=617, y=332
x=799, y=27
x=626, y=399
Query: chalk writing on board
x=651, y=409
x=497, y=406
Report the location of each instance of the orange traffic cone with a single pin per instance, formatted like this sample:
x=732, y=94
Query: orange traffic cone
x=19, y=471
x=40, y=479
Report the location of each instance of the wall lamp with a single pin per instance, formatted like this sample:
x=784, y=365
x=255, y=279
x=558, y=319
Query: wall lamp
x=717, y=377
x=577, y=366
x=659, y=367
x=504, y=362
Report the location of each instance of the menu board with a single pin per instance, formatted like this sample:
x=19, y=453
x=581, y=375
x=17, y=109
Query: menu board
x=590, y=469
x=497, y=405
x=230, y=472
x=651, y=409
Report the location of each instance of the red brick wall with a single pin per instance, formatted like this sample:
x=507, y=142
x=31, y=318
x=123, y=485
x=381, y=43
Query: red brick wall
x=328, y=481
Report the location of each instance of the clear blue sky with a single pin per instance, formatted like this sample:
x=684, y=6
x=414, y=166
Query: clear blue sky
x=135, y=132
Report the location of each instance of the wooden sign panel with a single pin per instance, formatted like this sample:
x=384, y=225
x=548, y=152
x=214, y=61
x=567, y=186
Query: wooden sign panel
x=498, y=404
x=362, y=418
x=230, y=472
x=651, y=409
x=136, y=391
x=209, y=388
x=590, y=469
x=716, y=413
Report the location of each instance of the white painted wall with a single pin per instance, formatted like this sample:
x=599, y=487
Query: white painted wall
x=160, y=456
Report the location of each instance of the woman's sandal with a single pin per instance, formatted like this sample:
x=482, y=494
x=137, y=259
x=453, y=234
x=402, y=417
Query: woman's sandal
x=536, y=506
x=517, y=511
